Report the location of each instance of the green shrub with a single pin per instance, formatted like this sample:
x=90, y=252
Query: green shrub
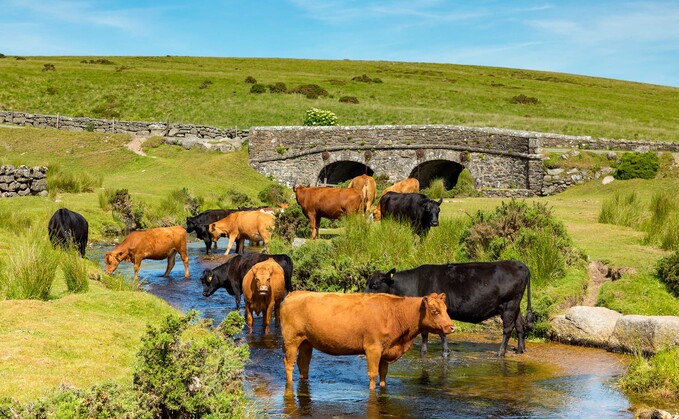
x=174, y=208
x=273, y=195
x=250, y=80
x=205, y=84
x=59, y=180
x=239, y=199
x=436, y=190
x=464, y=186
x=125, y=211
x=278, y=87
x=30, y=269
x=524, y=100
x=622, y=209
x=349, y=99
x=74, y=268
x=667, y=270
x=319, y=117
x=311, y=91
x=364, y=78
x=637, y=165
x=291, y=223
x=258, y=88
x=48, y=67
x=656, y=377
x=184, y=374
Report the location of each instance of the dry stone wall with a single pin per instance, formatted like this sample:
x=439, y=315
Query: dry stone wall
x=22, y=181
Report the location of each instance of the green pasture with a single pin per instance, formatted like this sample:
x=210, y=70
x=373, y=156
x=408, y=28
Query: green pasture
x=213, y=91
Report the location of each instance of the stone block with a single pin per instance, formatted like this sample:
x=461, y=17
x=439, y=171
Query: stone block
x=590, y=326
x=607, y=180
x=649, y=334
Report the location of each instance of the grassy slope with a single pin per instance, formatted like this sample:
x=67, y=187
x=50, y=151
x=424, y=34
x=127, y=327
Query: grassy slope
x=162, y=88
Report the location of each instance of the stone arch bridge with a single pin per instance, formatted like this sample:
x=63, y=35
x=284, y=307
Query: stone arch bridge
x=501, y=162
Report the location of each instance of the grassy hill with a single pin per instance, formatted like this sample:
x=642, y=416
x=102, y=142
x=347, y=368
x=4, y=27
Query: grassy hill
x=213, y=91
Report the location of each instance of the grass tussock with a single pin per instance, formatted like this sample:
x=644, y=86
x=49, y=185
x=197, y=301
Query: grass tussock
x=656, y=377
x=75, y=269
x=62, y=181
x=13, y=221
x=30, y=270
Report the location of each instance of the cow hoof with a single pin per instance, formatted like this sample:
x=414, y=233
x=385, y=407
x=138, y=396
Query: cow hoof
x=446, y=353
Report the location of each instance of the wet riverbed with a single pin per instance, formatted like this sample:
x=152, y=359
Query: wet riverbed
x=549, y=380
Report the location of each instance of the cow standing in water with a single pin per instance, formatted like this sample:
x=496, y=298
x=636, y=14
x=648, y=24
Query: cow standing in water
x=68, y=228
x=239, y=226
x=380, y=326
x=263, y=291
x=476, y=292
x=366, y=186
x=156, y=243
x=325, y=202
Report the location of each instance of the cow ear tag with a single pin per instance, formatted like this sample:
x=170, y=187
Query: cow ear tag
x=209, y=278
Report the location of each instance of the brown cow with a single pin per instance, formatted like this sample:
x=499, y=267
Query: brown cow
x=156, y=243
x=366, y=186
x=331, y=203
x=382, y=327
x=241, y=225
x=410, y=185
x=263, y=291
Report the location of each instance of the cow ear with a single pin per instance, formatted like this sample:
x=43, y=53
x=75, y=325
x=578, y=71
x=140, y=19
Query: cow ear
x=209, y=278
x=440, y=201
x=391, y=273
x=119, y=257
x=442, y=296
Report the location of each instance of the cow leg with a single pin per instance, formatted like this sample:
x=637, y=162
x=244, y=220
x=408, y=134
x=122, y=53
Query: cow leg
x=384, y=368
x=318, y=227
x=303, y=359
x=240, y=246
x=312, y=221
x=444, y=341
x=373, y=356
x=425, y=341
x=185, y=260
x=170, y=263
x=137, y=265
x=248, y=316
x=290, y=350
x=236, y=295
x=208, y=244
x=508, y=321
x=232, y=238
x=521, y=333
x=267, y=318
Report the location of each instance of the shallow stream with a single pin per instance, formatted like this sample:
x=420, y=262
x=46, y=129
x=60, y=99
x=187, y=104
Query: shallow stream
x=549, y=380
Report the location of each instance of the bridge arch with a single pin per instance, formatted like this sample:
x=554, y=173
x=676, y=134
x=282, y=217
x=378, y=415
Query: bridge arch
x=341, y=171
x=447, y=170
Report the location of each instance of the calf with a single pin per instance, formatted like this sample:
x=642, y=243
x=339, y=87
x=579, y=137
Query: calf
x=331, y=203
x=380, y=326
x=263, y=291
x=156, y=243
x=68, y=228
x=476, y=292
x=238, y=226
x=230, y=275
x=421, y=212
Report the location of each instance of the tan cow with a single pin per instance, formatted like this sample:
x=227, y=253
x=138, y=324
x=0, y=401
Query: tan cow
x=410, y=185
x=381, y=326
x=252, y=225
x=331, y=203
x=156, y=243
x=366, y=186
x=263, y=291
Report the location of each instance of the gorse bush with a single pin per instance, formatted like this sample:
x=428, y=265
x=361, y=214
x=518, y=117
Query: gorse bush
x=59, y=180
x=258, y=88
x=30, y=269
x=74, y=268
x=183, y=374
x=637, y=165
x=524, y=100
x=349, y=99
x=273, y=195
x=319, y=117
x=311, y=91
x=667, y=271
x=278, y=87
x=291, y=223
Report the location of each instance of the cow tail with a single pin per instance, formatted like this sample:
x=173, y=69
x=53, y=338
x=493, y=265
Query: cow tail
x=529, y=310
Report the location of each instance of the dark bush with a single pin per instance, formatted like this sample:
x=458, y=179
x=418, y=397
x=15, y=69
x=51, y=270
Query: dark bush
x=48, y=67
x=98, y=61
x=311, y=91
x=349, y=99
x=239, y=199
x=291, y=223
x=668, y=272
x=524, y=100
x=637, y=165
x=364, y=78
x=2, y=55
x=21, y=59
x=278, y=87
x=250, y=79
x=122, y=68
x=258, y=88
x=123, y=209
x=376, y=80
x=205, y=84
x=273, y=195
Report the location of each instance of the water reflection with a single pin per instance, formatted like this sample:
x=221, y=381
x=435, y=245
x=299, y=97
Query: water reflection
x=549, y=380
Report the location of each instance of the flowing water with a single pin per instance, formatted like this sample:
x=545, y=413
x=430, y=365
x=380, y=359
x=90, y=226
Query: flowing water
x=549, y=380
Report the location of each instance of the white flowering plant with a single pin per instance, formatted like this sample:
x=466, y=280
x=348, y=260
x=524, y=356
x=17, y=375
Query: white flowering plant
x=319, y=117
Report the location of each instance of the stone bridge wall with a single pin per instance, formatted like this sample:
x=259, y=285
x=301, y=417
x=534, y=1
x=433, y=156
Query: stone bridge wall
x=23, y=181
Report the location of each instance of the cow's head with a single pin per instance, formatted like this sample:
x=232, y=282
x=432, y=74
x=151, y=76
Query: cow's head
x=261, y=277
x=215, y=232
x=190, y=224
x=381, y=282
x=430, y=212
x=377, y=214
x=209, y=283
x=113, y=259
x=436, y=319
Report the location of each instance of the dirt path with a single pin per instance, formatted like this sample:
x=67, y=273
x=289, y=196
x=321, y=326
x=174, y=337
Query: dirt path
x=135, y=145
x=597, y=276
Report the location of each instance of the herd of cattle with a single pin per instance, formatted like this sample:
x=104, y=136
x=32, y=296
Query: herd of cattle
x=399, y=306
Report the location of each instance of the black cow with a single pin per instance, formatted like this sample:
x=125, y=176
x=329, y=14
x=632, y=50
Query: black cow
x=202, y=221
x=68, y=228
x=416, y=208
x=230, y=275
x=474, y=292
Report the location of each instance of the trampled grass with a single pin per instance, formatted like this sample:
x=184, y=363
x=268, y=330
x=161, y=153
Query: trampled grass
x=169, y=88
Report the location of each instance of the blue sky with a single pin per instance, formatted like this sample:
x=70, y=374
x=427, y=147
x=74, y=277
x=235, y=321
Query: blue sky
x=636, y=40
